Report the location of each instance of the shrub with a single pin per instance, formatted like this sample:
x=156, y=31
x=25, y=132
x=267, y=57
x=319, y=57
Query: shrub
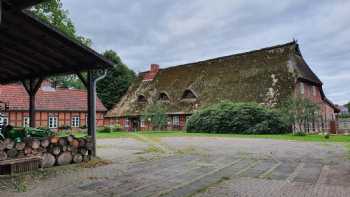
x=238, y=118
x=105, y=130
x=117, y=128
x=65, y=127
x=327, y=135
x=299, y=133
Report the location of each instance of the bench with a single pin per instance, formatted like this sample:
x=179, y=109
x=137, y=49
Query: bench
x=25, y=164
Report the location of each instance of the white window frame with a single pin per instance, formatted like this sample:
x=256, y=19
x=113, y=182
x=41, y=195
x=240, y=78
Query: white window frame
x=142, y=122
x=5, y=121
x=314, y=90
x=53, y=122
x=126, y=125
x=75, y=121
x=26, y=121
x=302, y=88
x=176, y=121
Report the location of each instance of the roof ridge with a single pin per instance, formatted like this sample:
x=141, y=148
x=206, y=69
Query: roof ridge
x=294, y=42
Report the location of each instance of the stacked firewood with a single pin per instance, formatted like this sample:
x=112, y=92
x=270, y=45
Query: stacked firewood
x=53, y=150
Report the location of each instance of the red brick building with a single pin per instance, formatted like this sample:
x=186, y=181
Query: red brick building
x=267, y=76
x=55, y=107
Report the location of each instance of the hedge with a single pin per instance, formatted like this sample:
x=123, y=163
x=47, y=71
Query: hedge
x=237, y=118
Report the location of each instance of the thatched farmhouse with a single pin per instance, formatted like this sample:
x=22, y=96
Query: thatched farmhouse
x=266, y=76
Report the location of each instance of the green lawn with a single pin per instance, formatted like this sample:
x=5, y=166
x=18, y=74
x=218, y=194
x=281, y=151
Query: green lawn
x=312, y=138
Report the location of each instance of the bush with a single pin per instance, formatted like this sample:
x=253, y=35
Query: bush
x=65, y=127
x=117, y=128
x=105, y=130
x=299, y=133
x=238, y=118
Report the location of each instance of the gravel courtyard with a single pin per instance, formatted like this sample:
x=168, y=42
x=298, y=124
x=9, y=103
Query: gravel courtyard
x=203, y=166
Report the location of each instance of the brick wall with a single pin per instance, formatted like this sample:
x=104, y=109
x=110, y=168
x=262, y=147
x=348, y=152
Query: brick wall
x=16, y=118
x=314, y=94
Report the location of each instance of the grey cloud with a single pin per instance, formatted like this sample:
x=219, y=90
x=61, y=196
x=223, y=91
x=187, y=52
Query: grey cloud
x=175, y=32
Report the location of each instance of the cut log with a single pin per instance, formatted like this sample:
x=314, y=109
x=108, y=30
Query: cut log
x=83, y=151
x=36, y=152
x=74, y=143
x=62, y=141
x=82, y=142
x=45, y=143
x=72, y=149
x=20, y=146
x=20, y=154
x=12, y=153
x=86, y=158
x=56, y=150
x=48, y=160
x=70, y=138
x=54, y=139
x=3, y=155
x=89, y=145
x=77, y=158
x=35, y=144
x=64, y=148
x=64, y=158
x=9, y=143
x=2, y=146
x=28, y=150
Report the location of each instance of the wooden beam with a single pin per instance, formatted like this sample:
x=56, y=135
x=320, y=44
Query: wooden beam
x=12, y=42
x=1, y=11
x=92, y=109
x=32, y=86
x=83, y=80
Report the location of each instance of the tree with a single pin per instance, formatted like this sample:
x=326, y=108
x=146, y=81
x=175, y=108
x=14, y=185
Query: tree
x=53, y=13
x=300, y=113
x=116, y=83
x=348, y=106
x=156, y=115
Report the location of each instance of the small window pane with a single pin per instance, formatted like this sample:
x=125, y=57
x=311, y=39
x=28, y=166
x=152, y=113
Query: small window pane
x=302, y=88
x=53, y=122
x=76, y=121
x=26, y=122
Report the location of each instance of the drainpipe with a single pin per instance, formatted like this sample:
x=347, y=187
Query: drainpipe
x=91, y=82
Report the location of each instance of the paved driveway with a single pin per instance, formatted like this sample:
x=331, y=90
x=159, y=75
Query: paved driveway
x=184, y=166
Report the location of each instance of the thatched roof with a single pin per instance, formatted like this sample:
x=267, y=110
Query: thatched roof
x=265, y=76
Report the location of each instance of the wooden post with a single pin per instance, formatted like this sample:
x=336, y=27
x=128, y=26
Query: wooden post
x=1, y=11
x=90, y=84
x=32, y=86
x=92, y=109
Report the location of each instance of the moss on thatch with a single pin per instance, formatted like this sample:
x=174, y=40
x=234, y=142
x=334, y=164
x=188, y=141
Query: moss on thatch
x=264, y=76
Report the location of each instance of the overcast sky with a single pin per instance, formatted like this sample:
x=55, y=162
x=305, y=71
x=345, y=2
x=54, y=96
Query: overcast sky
x=171, y=32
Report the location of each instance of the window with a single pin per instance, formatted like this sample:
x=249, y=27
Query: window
x=53, y=122
x=141, y=99
x=313, y=90
x=4, y=121
x=126, y=123
x=188, y=94
x=176, y=121
x=75, y=121
x=163, y=97
x=26, y=122
x=142, y=122
x=302, y=88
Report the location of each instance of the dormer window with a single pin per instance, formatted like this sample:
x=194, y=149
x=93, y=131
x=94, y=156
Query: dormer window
x=189, y=94
x=141, y=99
x=163, y=96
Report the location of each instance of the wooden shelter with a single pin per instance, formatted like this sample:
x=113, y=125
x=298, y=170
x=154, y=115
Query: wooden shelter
x=31, y=50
